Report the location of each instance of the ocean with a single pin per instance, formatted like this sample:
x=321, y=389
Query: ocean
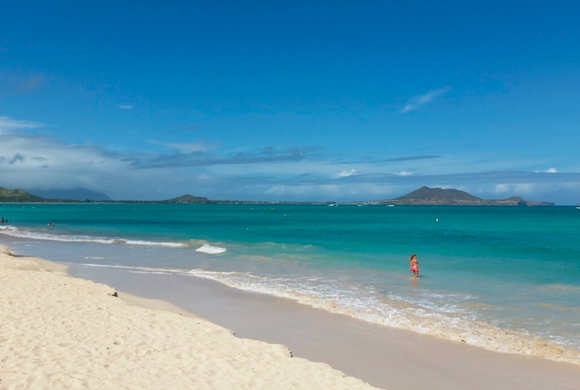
x=502, y=278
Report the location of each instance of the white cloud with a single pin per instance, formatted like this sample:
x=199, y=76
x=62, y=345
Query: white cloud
x=564, y=193
x=516, y=188
x=402, y=173
x=126, y=106
x=346, y=173
x=8, y=124
x=34, y=162
x=419, y=100
x=549, y=170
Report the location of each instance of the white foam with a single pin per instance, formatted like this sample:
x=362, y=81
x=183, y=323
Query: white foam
x=36, y=235
x=137, y=269
x=210, y=249
x=446, y=322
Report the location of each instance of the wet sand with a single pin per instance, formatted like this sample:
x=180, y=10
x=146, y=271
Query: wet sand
x=383, y=357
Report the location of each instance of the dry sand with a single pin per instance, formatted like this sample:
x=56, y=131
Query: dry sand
x=60, y=332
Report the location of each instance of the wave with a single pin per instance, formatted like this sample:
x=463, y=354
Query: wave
x=164, y=271
x=38, y=235
x=445, y=321
x=210, y=249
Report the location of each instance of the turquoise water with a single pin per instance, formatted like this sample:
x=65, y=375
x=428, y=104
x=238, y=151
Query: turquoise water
x=503, y=278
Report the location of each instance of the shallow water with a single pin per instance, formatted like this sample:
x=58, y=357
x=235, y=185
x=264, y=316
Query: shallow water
x=497, y=277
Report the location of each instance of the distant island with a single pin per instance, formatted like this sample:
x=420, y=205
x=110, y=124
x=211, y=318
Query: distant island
x=18, y=196
x=187, y=198
x=422, y=196
x=449, y=196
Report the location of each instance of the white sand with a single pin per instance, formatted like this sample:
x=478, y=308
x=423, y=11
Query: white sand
x=60, y=332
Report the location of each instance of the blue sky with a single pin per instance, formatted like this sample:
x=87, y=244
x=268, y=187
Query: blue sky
x=299, y=100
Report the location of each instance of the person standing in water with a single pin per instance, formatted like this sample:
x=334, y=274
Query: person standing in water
x=414, y=266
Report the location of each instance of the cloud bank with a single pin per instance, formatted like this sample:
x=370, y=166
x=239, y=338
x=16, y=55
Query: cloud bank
x=294, y=173
x=9, y=125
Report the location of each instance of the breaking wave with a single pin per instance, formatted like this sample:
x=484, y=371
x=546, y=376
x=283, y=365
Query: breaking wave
x=38, y=235
x=210, y=249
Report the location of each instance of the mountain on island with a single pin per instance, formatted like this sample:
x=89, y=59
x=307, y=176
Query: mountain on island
x=18, y=196
x=449, y=196
x=73, y=194
x=187, y=198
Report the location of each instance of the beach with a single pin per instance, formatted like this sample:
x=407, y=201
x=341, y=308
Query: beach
x=330, y=284
x=503, y=279
x=60, y=332
x=68, y=332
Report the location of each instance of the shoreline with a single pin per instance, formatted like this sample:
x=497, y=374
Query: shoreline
x=378, y=355
x=67, y=332
x=483, y=334
x=381, y=356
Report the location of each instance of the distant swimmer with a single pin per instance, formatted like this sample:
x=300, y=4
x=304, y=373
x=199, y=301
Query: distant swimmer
x=51, y=223
x=414, y=266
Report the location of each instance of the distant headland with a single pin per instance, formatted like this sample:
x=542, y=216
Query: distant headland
x=422, y=196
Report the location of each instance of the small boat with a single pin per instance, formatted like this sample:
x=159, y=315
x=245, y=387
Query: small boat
x=390, y=205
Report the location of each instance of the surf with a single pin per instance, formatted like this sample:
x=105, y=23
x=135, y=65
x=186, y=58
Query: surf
x=39, y=235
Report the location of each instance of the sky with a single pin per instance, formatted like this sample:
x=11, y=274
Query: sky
x=298, y=100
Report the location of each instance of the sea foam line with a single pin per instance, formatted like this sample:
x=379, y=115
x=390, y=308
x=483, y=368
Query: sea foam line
x=34, y=235
x=444, y=323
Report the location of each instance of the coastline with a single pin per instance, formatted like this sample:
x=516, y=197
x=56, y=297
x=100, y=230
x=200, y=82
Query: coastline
x=384, y=357
x=67, y=332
